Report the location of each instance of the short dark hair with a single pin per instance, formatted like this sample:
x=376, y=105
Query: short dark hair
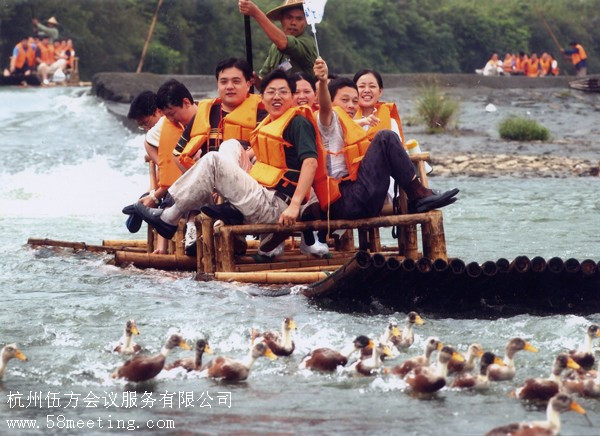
x=308, y=77
x=336, y=84
x=240, y=64
x=277, y=74
x=172, y=93
x=573, y=43
x=143, y=105
x=368, y=71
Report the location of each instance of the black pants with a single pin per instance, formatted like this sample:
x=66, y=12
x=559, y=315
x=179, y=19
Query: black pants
x=364, y=197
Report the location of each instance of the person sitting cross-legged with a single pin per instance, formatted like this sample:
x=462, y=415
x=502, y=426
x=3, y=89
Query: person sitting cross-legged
x=288, y=156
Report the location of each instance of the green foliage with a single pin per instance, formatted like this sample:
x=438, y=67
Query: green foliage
x=436, y=110
x=522, y=129
x=392, y=36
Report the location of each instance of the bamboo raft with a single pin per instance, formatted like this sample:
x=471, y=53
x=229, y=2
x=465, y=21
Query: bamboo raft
x=367, y=276
x=590, y=84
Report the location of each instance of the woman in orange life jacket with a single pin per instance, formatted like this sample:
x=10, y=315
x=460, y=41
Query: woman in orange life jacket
x=363, y=172
x=314, y=243
x=533, y=69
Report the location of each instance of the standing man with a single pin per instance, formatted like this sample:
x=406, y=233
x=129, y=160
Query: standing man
x=578, y=57
x=51, y=30
x=293, y=50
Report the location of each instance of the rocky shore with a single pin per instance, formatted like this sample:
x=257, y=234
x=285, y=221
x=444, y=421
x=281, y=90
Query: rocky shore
x=472, y=147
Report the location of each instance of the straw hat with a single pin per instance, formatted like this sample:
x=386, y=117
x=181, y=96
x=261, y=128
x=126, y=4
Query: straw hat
x=52, y=20
x=275, y=14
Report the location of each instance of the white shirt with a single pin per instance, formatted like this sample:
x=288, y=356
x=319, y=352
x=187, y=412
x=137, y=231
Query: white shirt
x=333, y=141
x=153, y=135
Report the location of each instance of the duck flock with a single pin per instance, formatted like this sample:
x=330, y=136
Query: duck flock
x=572, y=372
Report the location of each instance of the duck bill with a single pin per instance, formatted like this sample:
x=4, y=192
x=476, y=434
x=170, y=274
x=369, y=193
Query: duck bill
x=577, y=408
x=572, y=364
x=479, y=353
x=530, y=347
x=208, y=350
x=270, y=355
x=419, y=320
x=457, y=357
x=598, y=332
x=19, y=355
x=396, y=331
x=135, y=331
x=184, y=345
x=292, y=325
x=440, y=346
x=499, y=361
x=387, y=352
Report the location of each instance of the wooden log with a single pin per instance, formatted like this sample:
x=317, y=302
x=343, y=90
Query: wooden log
x=158, y=261
x=208, y=243
x=271, y=277
x=572, y=266
x=140, y=243
x=538, y=264
x=503, y=265
x=588, y=267
x=556, y=265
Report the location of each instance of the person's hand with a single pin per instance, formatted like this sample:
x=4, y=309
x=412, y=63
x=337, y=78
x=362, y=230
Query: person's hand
x=34, y=21
x=370, y=121
x=289, y=216
x=320, y=69
x=247, y=7
x=148, y=202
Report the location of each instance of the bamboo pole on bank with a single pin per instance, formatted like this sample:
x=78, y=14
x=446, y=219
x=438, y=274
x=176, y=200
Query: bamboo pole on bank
x=148, y=38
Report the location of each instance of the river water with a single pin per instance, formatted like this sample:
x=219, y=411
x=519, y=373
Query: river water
x=69, y=167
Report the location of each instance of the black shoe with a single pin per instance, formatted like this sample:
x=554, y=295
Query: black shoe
x=152, y=217
x=224, y=212
x=134, y=222
x=434, y=201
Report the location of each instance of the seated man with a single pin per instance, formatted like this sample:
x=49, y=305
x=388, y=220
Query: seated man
x=287, y=155
x=363, y=169
x=20, y=62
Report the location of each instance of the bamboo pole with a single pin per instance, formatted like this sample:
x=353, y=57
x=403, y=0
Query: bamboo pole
x=292, y=257
x=457, y=266
x=378, y=260
x=296, y=264
x=572, y=266
x=547, y=26
x=139, y=243
x=521, y=264
x=473, y=270
x=158, y=261
x=227, y=262
x=440, y=265
x=271, y=277
x=588, y=267
x=199, y=248
x=208, y=242
x=503, y=265
x=556, y=265
x=80, y=246
x=489, y=268
x=149, y=37
x=408, y=265
x=424, y=265
x=392, y=263
x=538, y=264
x=434, y=239
x=309, y=269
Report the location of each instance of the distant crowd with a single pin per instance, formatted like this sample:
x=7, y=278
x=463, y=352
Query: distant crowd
x=44, y=54
x=533, y=65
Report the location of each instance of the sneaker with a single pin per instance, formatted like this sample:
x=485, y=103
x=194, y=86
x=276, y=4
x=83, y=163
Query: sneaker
x=277, y=251
x=190, y=239
x=316, y=248
x=46, y=82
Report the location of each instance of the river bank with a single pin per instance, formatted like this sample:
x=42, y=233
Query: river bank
x=472, y=147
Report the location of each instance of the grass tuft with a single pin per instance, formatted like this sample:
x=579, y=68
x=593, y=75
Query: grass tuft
x=522, y=129
x=436, y=110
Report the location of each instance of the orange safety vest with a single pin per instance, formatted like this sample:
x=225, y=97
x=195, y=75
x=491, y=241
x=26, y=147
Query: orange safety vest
x=269, y=147
x=546, y=65
x=507, y=64
x=356, y=143
x=581, y=55
x=520, y=64
x=31, y=57
x=533, y=69
x=46, y=54
x=168, y=171
x=22, y=56
x=238, y=124
x=385, y=112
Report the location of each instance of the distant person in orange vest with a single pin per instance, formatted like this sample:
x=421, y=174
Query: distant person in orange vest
x=20, y=61
x=533, y=68
x=508, y=65
x=521, y=63
x=51, y=29
x=48, y=64
x=553, y=65
x=578, y=57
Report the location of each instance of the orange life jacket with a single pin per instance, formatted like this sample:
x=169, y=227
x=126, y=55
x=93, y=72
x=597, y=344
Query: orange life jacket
x=581, y=55
x=546, y=65
x=521, y=64
x=238, y=124
x=168, y=171
x=31, y=57
x=385, y=112
x=533, y=68
x=22, y=56
x=507, y=65
x=47, y=54
x=356, y=143
x=269, y=147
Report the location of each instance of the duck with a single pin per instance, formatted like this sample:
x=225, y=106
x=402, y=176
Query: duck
x=280, y=344
x=327, y=359
x=426, y=379
x=10, y=351
x=192, y=363
x=431, y=344
x=584, y=356
x=128, y=346
x=143, y=368
x=390, y=331
x=406, y=337
x=586, y=384
x=542, y=389
x=480, y=381
x=372, y=365
x=228, y=369
x=473, y=352
x=507, y=372
x=558, y=404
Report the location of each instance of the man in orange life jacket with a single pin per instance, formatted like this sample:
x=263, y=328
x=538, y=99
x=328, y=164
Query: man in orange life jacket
x=364, y=169
x=20, y=63
x=578, y=57
x=287, y=151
